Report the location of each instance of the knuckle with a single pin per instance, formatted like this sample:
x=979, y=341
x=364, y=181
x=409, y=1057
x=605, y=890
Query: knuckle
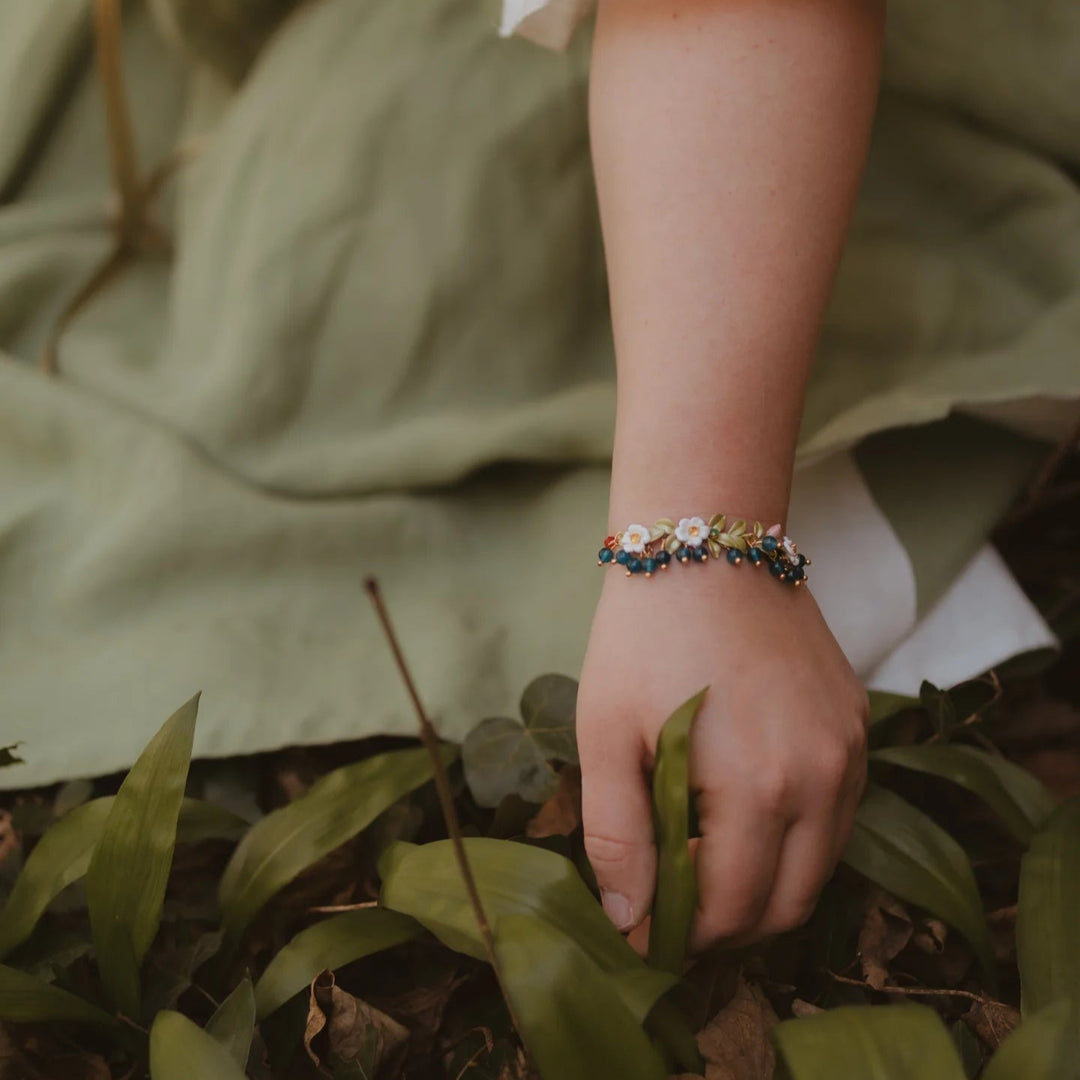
x=832, y=766
x=791, y=915
x=772, y=789
x=608, y=851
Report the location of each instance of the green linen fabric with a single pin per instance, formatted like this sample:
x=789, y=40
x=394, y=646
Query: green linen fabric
x=381, y=346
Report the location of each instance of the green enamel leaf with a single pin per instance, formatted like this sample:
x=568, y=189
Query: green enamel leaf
x=129, y=869
x=869, y=1042
x=676, y=883
x=504, y=757
x=233, y=1022
x=27, y=999
x=327, y=946
x=1047, y=924
x=899, y=848
x=1020, y=801
x=287, y=841
x=180, y=1050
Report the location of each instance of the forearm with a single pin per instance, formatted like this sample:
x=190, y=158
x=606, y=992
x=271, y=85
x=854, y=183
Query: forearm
x=728, y=141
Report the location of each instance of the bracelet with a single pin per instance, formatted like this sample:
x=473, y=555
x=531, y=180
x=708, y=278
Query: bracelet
x=644, y=550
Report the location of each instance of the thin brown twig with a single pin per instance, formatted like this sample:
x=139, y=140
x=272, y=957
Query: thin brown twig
x=336, y=909
x=912, y=991
x=430, y=739
x=1041, y=480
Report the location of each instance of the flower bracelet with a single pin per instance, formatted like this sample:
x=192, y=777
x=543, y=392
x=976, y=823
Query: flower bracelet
x=644, y=550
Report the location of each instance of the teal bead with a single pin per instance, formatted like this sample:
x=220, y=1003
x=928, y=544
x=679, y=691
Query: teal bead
x=776, y=569
x=663, y=557
x=622, y=557
x=649, y=565
x=634, y=566
x=789, y=576
x=754, y=555
x=683, y=554
x=734, y=556
x=769, y=544
x=699, y=554
x=797, y=573
x=800, y=559
x=606, y=555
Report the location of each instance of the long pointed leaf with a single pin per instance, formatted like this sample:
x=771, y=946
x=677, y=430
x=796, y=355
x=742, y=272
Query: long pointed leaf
x=1048, y=917
x=326, y=946
x=128, y=872
x=289, y=840
x=1020, y=801
x=233, y=1022
x=27, y=999
x=676, y=882
x=899, y=848
x=574, y=1026
x=869, y=1042
x=1039, y=1049
x=63, y=854
x=181, y=1050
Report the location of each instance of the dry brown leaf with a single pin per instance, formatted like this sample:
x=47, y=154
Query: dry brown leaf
x=561, y=814
x=77, y=1067
x=930, y=937
x=886, y=930
x=9, y=839
x=351, y=1030
x=991, y=1021
x=1002, y=925
x=735, y=1042
x=801, y=1009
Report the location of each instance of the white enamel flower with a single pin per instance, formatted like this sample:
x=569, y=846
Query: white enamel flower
x=790, y=550
x=692, y=532
x=634, y=539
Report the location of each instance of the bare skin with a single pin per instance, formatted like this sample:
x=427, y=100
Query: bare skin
x=728, y=141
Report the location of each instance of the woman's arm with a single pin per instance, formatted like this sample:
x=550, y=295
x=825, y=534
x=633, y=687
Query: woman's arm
x=728, y=140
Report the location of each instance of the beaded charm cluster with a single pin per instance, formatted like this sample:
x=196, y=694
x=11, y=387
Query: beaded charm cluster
x=642, y=549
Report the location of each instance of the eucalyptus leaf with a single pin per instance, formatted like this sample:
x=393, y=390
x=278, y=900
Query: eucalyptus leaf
x=129, y=869
x=899, y=848
x=181, y=1050
x=28, y=999
x=62, y=856
x=1040, y=1048
x=326, y=946
x=676, y=882
x=284, y=843
x=233, y=1022
x=1019, y=800
x=869, y=1042
x=573, y=1024
x=1048, y=923
x=505, y=757
x=513, y=879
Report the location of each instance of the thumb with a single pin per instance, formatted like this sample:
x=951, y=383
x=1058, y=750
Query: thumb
x=616, y=813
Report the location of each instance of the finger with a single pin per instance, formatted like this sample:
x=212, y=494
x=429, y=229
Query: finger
x=736, y=862
x=845, y=817
x=616, y=813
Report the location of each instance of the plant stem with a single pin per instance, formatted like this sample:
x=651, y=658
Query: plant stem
x=430, y=739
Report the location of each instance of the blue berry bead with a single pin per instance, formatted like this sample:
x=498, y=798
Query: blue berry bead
x=683, y=554
x=789, y=576
x=699, y=553
x=797, y=573
x=606, y=555
x=801, y=559
x=634, y=566
x=734, y=556
x=754, y=555
x=769, y=544
x=649, y=565
x=622, y=557
x=776, y=568
x=663, y=557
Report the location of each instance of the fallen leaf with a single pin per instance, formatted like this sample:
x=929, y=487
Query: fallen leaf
x=358, y=1038
x=561, y=814
x=801, y=1009
x=9, y=840
x=735, y=1042
x=930, y=937
x=886, y=930
x=991, y=1021
x=76, y=1067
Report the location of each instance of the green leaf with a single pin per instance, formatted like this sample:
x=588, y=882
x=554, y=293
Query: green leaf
x=676, y=883
x=573, y=1025
x=233, y=1022
x=8, y=755
x=513, y=879
x=1047, y=923
x=26, y=999
x=899, y=848
x=129, y=869
x=327, y=946
x=504, y=757
x=869, y=1042
x=883, y=704
x=1017, y=797
x=62, y=856
x=1039, y=1049
x=287, y=841
x=181, y=1050
x=939, y=705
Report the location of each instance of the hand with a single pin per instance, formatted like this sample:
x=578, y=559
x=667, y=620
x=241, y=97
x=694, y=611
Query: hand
x=777, y=752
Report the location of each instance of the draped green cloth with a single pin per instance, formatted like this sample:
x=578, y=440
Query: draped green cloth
x=380, y=344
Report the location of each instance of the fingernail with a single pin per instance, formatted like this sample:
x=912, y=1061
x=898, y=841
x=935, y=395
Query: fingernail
x=618, y=909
